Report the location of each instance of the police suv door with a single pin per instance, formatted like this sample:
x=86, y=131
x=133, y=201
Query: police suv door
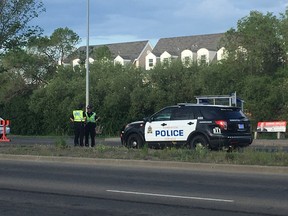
x=170, y=125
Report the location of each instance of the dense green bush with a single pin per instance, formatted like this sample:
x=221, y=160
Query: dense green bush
x=123, y=94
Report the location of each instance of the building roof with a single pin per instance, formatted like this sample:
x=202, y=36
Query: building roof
x=176, y=45
x=127, y=50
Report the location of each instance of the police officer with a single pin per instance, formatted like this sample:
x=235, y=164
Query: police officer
x=78, y=118
x=90, y=126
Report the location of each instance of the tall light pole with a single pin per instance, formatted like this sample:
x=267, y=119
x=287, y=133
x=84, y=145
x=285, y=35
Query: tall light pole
x=87, y=57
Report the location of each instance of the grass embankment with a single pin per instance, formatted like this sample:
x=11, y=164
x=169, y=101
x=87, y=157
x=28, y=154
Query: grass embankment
x=246, y=156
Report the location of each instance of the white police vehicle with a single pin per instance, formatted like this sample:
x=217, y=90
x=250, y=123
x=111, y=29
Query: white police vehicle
x=212, y=126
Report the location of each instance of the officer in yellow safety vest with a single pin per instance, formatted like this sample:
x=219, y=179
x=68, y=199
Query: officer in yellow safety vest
x=78, y=118
x=90, y=126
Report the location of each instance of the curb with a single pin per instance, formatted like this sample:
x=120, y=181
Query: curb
x=228, y=168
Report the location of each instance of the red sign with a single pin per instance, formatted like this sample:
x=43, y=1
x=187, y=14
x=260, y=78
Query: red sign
x=279, y=126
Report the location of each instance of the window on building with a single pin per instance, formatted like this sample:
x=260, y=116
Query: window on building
x=151, y=63
x=187, y=60
x=165, y=61
x=203, y=59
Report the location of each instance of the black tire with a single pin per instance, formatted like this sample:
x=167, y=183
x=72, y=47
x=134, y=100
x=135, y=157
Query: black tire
x=199, y=140
x=134, y=141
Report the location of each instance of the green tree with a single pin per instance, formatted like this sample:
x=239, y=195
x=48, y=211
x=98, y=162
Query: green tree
x=111, y=88
x=102, y=53
x=257, y=44
x=53, y=104
x=257, y=55
x=57, y=47
x=284, y=33
x=173, y=83
x=15, y=16
x=35, y=69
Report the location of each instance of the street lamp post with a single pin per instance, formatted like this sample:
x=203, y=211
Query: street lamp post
x=87, y=57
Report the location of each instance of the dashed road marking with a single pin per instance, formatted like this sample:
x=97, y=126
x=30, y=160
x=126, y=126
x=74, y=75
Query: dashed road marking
x=170, y=196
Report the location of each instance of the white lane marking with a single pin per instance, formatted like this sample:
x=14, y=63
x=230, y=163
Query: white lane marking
x=170, y=196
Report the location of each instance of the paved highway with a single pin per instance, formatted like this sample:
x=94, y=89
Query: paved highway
x=45, y=188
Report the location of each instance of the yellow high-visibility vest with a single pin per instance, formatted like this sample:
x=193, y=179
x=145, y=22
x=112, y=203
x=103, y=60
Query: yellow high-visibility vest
x=78, y=115
x=91, y=118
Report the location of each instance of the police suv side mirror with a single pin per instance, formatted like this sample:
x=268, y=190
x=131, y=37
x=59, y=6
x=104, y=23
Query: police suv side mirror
x=147, y=119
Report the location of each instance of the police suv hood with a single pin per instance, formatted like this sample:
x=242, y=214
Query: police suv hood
x=136, y=123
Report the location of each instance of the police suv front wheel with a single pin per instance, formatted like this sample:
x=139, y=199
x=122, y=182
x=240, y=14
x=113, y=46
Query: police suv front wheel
x=199, y=141
x=134, y=141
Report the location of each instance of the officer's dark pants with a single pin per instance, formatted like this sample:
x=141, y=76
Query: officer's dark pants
x=78, y=133
x=90, y=132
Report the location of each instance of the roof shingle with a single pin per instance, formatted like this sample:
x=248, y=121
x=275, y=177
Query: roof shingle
x=176, y=45
x=127, y=50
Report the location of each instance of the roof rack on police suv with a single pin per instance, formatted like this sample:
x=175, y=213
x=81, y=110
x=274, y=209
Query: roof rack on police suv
x=185, y=104
x=228, y=100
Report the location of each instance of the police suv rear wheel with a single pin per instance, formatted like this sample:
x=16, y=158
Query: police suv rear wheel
x=134, y=141
x=198, y=141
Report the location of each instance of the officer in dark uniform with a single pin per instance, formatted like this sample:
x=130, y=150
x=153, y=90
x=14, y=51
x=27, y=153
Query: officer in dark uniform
x=78, y=118
x=90, y=126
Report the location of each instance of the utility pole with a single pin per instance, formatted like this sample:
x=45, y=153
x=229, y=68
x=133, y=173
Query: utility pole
x=87, y=57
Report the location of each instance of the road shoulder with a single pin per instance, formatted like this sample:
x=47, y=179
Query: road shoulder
x=252, y=169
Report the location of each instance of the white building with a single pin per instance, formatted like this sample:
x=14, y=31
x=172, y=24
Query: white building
x=199, y=48
x=121, y=53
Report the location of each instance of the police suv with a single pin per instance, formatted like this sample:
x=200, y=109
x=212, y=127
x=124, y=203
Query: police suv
x=211, y=126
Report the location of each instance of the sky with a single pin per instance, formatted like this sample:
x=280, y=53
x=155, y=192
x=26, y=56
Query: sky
x=117, y=21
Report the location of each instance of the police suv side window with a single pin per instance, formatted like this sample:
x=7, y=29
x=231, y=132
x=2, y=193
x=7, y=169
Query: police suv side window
x=197, y=113
x=163, y=115
x=210, y=113
x=182, y=113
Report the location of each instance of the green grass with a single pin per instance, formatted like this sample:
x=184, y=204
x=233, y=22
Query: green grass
x=246, y=156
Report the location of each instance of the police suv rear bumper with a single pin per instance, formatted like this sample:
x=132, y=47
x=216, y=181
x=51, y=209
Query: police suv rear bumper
x=230, y=141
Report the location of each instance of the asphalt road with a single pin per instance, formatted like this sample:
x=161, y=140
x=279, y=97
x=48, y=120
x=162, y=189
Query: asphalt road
x=66, y=188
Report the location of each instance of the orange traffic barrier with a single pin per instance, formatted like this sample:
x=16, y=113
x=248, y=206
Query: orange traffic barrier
x=4, y=123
